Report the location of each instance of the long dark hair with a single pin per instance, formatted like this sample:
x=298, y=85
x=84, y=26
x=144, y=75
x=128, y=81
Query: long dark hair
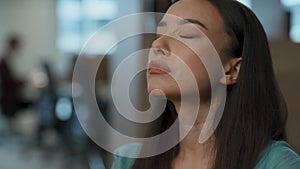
x=255, y=111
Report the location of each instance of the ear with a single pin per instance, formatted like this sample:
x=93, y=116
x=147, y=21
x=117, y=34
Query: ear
x=232, y=70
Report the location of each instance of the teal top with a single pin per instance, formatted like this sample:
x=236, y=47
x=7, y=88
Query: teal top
x=278, y=155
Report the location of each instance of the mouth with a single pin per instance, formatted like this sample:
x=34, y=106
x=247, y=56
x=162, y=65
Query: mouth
x=156, y=67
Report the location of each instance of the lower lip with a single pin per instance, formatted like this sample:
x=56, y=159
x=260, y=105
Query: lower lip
x=156, y=71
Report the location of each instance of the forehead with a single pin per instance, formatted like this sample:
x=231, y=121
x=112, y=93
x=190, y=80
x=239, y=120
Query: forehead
x=201, y=10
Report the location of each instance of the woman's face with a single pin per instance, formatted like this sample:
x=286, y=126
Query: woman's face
x=183, y=39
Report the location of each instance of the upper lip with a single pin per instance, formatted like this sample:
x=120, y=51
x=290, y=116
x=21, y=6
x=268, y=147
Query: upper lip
x=159, y=65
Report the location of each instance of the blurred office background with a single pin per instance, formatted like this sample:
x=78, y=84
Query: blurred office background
x=45, y=133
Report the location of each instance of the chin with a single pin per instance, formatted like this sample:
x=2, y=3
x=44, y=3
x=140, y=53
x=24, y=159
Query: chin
x=155, y=90
x=159, y=86
x=162, y=91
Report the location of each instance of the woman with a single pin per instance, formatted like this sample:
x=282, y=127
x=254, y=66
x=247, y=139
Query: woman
x=251, y=132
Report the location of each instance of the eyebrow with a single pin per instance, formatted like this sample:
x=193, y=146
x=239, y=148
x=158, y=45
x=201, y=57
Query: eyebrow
x=184, y=21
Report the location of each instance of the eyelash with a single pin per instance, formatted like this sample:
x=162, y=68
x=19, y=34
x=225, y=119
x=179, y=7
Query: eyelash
x=181, y=36
x=186, y=37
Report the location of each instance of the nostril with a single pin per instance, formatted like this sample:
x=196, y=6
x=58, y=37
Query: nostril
x=160, y=51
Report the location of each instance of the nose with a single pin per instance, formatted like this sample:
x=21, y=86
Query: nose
x=160, y=46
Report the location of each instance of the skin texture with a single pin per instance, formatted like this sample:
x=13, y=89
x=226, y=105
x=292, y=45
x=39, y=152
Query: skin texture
x=169, y=51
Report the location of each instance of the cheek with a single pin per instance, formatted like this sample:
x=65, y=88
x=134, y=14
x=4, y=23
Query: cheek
x=202, y=78
x=182, y=58
x=199, y=72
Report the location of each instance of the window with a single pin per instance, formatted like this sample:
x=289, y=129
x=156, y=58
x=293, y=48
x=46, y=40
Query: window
x=79, y=19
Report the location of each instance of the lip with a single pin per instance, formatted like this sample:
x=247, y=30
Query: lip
x=156, y=67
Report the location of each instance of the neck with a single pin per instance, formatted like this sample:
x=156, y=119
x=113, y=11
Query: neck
x=190, y=148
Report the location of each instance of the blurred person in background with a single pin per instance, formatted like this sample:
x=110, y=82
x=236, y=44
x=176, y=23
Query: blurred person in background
x=11, y=100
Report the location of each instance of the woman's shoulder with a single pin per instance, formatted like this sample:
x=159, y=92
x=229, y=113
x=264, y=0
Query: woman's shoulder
x=124, y=156
x=279, y=155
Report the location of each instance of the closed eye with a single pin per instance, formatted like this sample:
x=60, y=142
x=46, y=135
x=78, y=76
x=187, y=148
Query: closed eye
x=186, y=36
